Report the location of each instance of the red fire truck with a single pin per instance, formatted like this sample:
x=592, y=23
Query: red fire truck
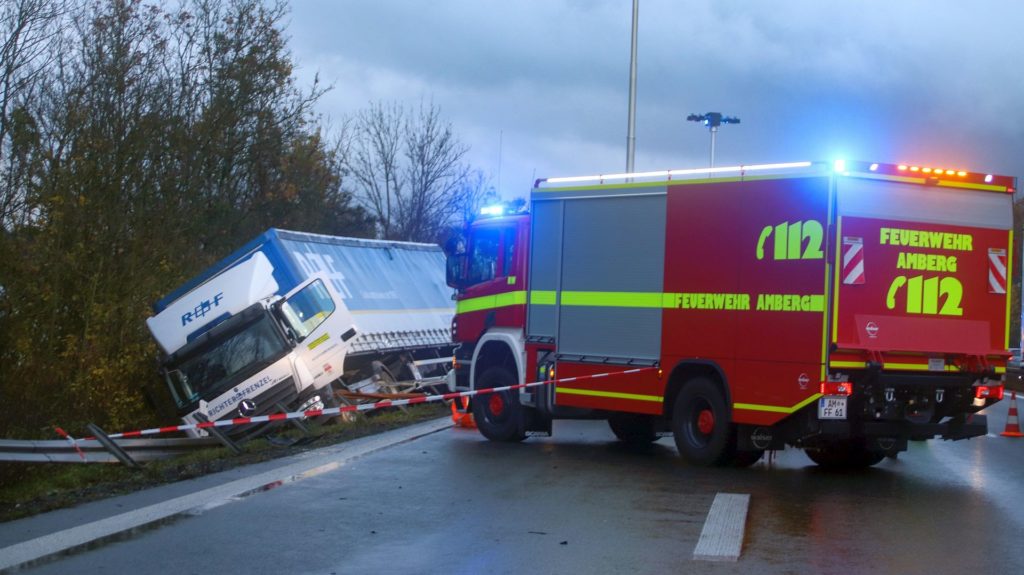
x=842, y=308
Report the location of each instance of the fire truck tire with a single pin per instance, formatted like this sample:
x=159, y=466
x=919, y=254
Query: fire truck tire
x=844, y=455
x=498, y=416
x=632, y=428
x=700, y=424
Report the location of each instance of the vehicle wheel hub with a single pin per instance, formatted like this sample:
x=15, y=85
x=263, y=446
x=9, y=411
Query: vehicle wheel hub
x=496, y=404
x=706, y=422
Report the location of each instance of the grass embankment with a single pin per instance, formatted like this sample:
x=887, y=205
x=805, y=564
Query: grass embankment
x=31, y=488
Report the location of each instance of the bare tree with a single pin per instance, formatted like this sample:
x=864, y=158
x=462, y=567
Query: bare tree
x=374, y=163
x=408, y=170
x=435, y=174
x=28, y=28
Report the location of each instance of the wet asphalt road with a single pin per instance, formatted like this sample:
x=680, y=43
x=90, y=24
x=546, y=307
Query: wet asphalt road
x=580, y=502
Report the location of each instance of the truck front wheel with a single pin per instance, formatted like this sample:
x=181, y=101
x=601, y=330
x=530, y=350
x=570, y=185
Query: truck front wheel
x=700, y=424
x=499, y=416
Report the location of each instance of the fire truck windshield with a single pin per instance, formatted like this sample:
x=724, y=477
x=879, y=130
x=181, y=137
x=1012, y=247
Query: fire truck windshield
x=483, y=256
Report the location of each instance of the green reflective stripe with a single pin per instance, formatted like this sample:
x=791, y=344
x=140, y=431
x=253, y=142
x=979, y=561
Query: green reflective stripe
x=652, y=300
x=776, y=408
x=538, y=297
x=609, y=394
x=491, y=301
x=510, y=298
x=612, y=299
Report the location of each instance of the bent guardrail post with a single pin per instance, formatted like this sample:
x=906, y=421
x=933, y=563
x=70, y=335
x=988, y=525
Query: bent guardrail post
x=297, y=423
x=220, y=435
x=112, y=447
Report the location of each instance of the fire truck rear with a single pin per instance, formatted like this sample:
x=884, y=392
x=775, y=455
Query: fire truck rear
x=843, y=308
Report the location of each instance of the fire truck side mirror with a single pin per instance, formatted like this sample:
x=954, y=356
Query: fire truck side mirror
x=454, y=270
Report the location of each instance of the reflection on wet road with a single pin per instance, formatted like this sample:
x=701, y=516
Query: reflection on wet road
x=580, y=502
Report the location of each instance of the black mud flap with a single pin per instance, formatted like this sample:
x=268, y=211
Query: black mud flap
x=759, y=438
x=973, y=426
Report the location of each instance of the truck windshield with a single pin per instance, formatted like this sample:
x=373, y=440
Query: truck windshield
x=308, y=308
x=225, y=360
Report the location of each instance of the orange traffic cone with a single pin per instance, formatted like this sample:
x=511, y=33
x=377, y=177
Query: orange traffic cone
x=462, y=417
x=1012, y=422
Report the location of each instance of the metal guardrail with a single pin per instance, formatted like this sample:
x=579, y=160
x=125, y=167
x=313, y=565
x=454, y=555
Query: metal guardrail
x=62, y=451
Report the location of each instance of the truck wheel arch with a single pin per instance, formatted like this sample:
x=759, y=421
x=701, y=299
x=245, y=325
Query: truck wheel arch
x=499, y=346
x=687, y=370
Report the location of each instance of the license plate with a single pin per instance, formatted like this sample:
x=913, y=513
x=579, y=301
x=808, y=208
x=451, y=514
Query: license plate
x=830, y=407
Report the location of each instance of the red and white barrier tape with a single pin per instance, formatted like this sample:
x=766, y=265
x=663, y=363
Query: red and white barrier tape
x=73, y=441
x=362, y=406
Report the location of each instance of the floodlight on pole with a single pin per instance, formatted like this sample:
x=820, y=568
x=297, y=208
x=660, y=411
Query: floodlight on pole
x=712, y=120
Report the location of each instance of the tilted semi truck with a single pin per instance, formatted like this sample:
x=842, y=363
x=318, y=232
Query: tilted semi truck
x=841, y=308
x=283, y=321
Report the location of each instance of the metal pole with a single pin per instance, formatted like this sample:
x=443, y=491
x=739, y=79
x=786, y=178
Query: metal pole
x=112, y=446
x=220, y=435
x=631, y=130
x=714, y=130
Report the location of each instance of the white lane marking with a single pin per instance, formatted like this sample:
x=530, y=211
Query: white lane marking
x=722, y=536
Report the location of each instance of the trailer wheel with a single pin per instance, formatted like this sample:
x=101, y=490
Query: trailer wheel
x=849, y=454
x=700, y=424
x=633, y=428
x=499, y=416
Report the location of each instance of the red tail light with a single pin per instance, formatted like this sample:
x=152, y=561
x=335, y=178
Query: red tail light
x=989, y=392
x=836, y=388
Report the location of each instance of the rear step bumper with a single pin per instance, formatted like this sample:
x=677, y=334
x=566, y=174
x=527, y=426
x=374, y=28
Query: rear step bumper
x=975, y=426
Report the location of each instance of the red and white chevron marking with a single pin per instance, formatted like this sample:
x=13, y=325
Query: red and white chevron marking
x=996, y=270
x=362, y=406
x=853, y=260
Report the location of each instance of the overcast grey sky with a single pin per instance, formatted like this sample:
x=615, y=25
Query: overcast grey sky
x=928, y=82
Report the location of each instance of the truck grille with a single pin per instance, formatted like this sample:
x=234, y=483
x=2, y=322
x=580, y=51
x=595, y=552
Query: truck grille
x=266, y=404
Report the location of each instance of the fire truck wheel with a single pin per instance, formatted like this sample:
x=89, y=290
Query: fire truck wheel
x=844, y=455
x=633, y=428
x=700, y=423
x=499, y=415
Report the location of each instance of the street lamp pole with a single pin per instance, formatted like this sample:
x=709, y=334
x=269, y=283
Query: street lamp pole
x=631, y=128
x=712, y=120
